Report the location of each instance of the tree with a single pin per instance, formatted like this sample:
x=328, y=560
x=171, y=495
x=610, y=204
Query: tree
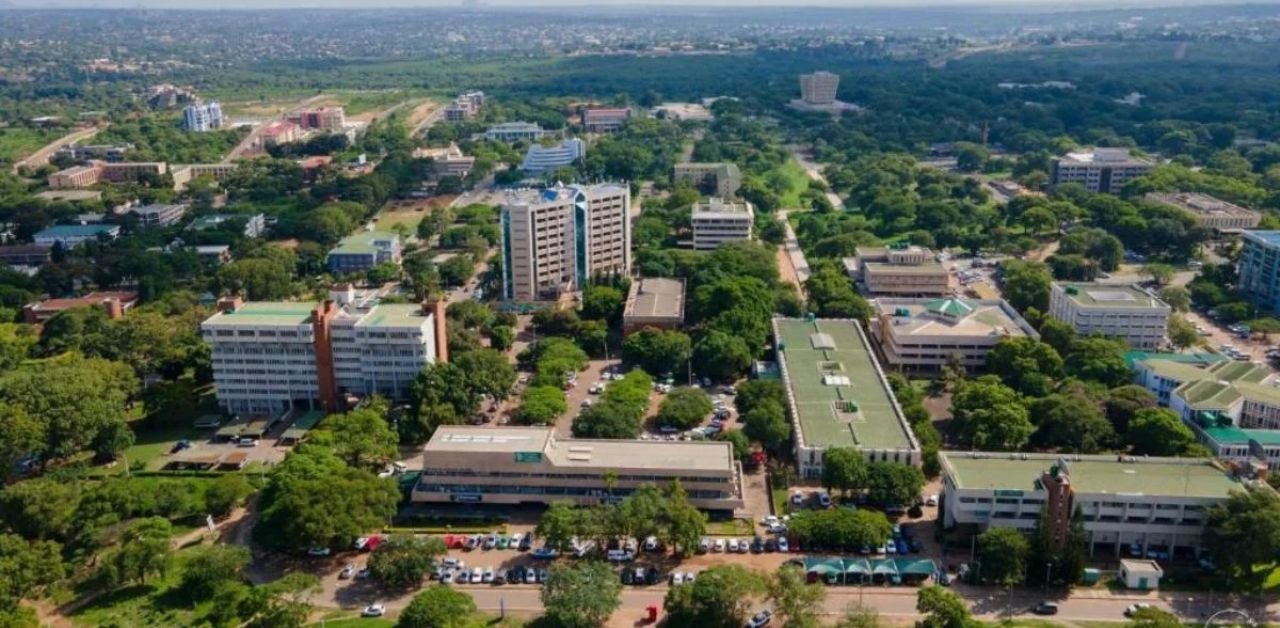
x=1154, y=618
x=892, y=483
x=658, y=350
x=257, y=279
x=1070, y=423
x=752, y=394
x=558, y=525
x=767, y=424
x=456, y=270
x=26, y=565
x=1026, y=284
x=1244, y=532
x=942, y=608
x=741, y=444
x=1098, y=359
x=796, y=602
x=989, y=415
x=226, y=493
x=607, y=419
x=1025, y=364
x=403, y=560
x=362, y=438
x=1002, y=553
x=21, y=435
x=438, y=606
x=1182, y=333
x=844, y=469
x=602, y=302
x=40, y=508
x=1159, y=432
x=1177, y=297
x=143, y=551
x=842, y=528
x=211, y=567
x=1124, y=402
x=683, y=524
x=441, y=395
x=684, y=407
x=541, y=405
x=77, y=399
x=1161, y=274
x=722, y=356
x=582, y=595
x=488, y=371
x=719, y=598
x=502, y=337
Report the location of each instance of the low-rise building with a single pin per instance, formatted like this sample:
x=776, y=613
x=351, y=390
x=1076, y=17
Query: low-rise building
x=837, y=395
x=86, y=152
x=718, y=179
x=654, y=302
x=604, y=120
x=131, y=171
x=716, y=221
x=447, y=162
x=278, y=132
x=184, y=174
x=70, y=235
x=1132, y=505
x=464, y=107
x=924, y=335
x=115, y=304
x=1100, y=170
x=153, y=216
x=25, y=254
x=254, y=224
x=514, y=132
x=539, y=159
x=1124, y=311
x=75, y=177
x=364, y=250
x=331, y=119
x=904, y=271
x=1209, y=212
x=531, y=465
x=216, y=254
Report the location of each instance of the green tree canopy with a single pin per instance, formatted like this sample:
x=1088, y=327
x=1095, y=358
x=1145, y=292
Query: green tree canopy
x=684, y=407
x=581, y=595
x=438, y=606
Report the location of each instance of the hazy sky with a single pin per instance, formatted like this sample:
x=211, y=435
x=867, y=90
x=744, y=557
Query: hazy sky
x=800, y=4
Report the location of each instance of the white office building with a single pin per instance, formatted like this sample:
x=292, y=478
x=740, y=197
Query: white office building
x=200, y=118
x=716, y=221
x=540, y=159
x=514, y=132
x=1120, y=310
x=1101, y=169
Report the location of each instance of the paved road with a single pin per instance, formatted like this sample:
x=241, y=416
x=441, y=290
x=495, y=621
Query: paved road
x=804, y=157
x=41, y=157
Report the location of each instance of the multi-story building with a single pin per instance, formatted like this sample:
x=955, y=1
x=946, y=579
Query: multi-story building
x=86, y=152
x=555, y=240
x=514, y=132
x=1259, y=269
x=1132, y=505
x=716, y=221
x=464, y=107
x=254, y=224
x=270, y=357
x=447, y=162
x=278, y=132
x=70, y=235
x=1209, y=212
x=1100, y=170
x=75, y=177
x=654, y=302
x=604, y=120
x=539, y=159
x=182, y=175
x=923, y=335
x=904, y=271
x=215, y=254
x=819, y=88
x=837, y=395
x=153, y=216
x=1124, y=311
x=200, y=118
x=531, y=465
x=131, y=171
x=115, y=304
x=717, y=179
x=331, y=119
x=25, y=254
x=364, y=250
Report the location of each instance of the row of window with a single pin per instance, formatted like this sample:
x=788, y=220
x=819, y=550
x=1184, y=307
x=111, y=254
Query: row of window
x=427, y=487
x=656, y=479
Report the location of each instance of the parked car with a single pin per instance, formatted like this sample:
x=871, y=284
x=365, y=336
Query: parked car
x=487, y=576
x=545, y=552
x=1045, y=607
x=757, y=545
x=782, y=544
x=718, y=546
x=347, y=572
x=733, y=545
x=1133, y=609
x=526, y=542
x=704, y=545
x=677, y=577
x=761, y=619
x=531, y=576
x=374, y=610
x=318, y=552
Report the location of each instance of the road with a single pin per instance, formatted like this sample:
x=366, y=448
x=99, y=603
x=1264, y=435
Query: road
x=249, y=140
x=41, y=157
x=428, y=122
x=804, y=157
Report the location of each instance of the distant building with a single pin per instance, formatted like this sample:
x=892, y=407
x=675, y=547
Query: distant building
x=70, y=235
x=654, y=302
x=153, y=216
x=331, y=119
x=447, y=162
x=904, y=271
x=31, y=255
x=604, y=120
x=716, y=221
x=1209, y=212
x=819, y=88
x=539, y=159
x=165, y=96
x=1125, y=311
x=555, y=240
x=924, y=335
x=217, y=254
x=279, y=132
x=70, y=196
x=514, y=132
x=717, y=179
x=201, y=118
x=464, y=107
x=684, y=111
x=115, y=304
x=1100, y=170
x=254, y=224
x=1259, y=269
x=75, y=177
x=364, y=250
x=104, y=152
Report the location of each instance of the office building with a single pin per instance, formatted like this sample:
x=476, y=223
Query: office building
x=837, y=395
x=115, y=304
x=1132, y=506
x=254, y=224
x=279, y=132
x=103, y=152
x=1259, y=269
x=75, y=177
x=70, y=235
x=514, y=132
x=1100, y=170
x=1119, y=310
x=269, y=357
x=200, y=118
x=654, y=302
x=539, y=159
x=683, y=111
x=215, y=254
x=153, y=216
x=219, y=172
x=903, y=271
x=446, y=162
x=531, y=465
x=130, y=171
x=716, y=179
x=923, y=335
x=819, y=88
x=555, y=240
x=1209, y=212
x=716, y=221
x=25, y=254
x=364, y=250
x=464, y=107
x=604, y=120
x=330, y=119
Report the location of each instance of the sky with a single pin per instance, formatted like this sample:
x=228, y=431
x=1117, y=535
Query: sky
x=799, y=4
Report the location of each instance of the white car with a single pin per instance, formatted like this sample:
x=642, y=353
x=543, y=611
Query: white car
x=374, y=610
x=477, y=576
x=1134, y=608
x=463, y=576
x=931, y=500
x=770, y=521
x=783, y=546
x=347, y=572
x=744, y=546
x=453, y=563
x=446, y=577
x=733, y=545
x=718, y=546
x=531, y=576
x=677, y=577
x=490, y=541
x=761, y=619
x=487, y=578
x=651, y=544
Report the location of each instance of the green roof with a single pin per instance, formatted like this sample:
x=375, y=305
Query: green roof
x=1108, y=295
x=949, y=307
x=1177, y=371
x=303, y=424
x=266, y=313
x=875, y=423
x=361, y=243
x=1264, y=393
x=1170, y=477
x=1232, y=435
x=1241, y=372
x=1209, y=394
x=1204, y=359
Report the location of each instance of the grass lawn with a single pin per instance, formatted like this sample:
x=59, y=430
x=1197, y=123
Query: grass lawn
x=356, y=103
x=733, y=527
x=361, y=622
x=18, y=142
x=155, y=603
x=799, y=182
x=779, y=497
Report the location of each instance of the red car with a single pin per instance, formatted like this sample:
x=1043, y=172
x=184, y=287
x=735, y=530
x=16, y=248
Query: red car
x=374, y=542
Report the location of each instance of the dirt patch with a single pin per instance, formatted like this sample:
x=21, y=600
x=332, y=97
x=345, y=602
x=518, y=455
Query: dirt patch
x=422, y=112
x=291, y=243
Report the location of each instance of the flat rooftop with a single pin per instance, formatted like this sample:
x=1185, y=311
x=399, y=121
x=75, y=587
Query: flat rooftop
x=889, y=268
x=1105, y=157
x=1201, y=204
x=715, y=206
x=827, y=361
x=1271, y=238
x=1109, y=295
x=395, y=315
x=362, y=242
x=1170, y=477
x=655, y=297
x=709, y=456
x=952, y=317
x=262, y=313
x=537, y=196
